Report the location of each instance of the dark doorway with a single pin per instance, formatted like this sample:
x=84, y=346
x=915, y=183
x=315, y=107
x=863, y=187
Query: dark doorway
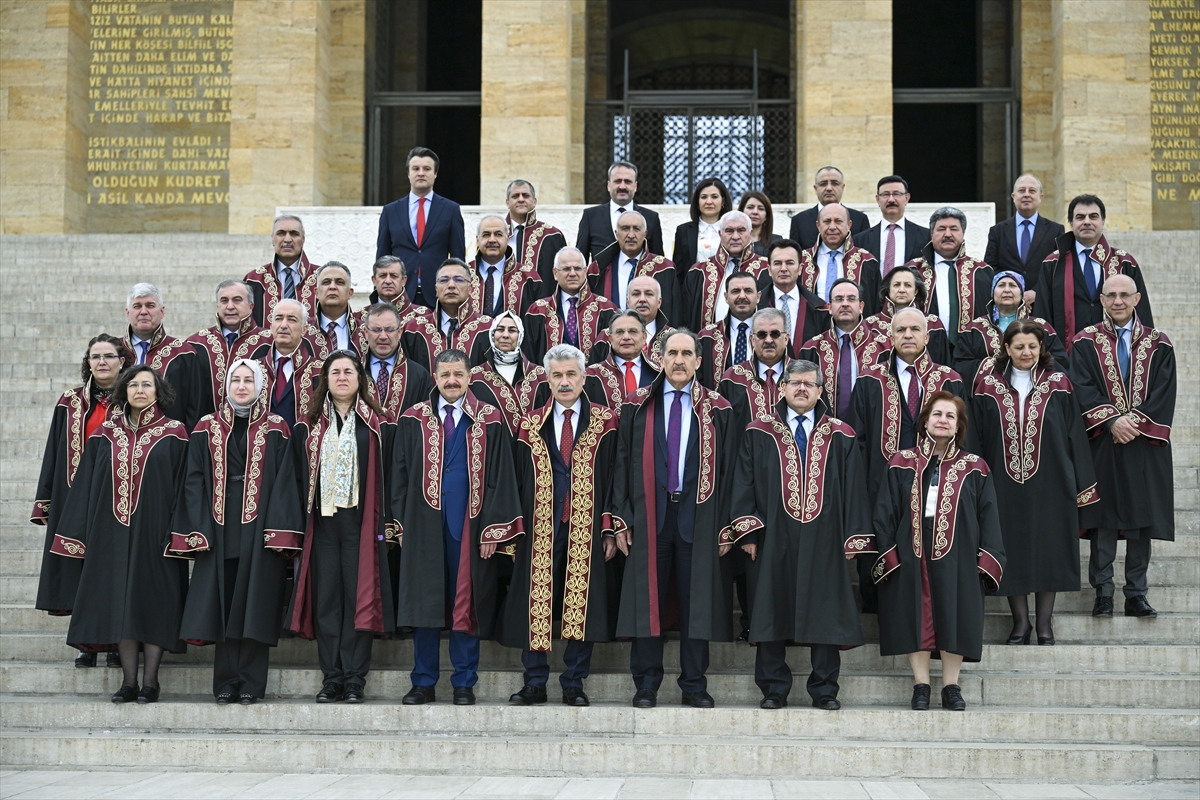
x=935, y=150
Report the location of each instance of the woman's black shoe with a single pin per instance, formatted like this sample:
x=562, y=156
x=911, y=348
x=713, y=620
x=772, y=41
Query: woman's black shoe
x=126, y=694
x=1046, y=639
x=1013, y=638
x=920, y=698
x=952, y=699
x=148, y=694
x=85, y=660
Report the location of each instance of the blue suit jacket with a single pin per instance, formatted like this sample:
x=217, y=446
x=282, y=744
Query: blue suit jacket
x=444, y=237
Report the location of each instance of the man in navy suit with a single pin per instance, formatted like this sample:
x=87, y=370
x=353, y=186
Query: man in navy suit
x=829, y=185
x=1022, y=242
x=895, y=240
x=422, y=229
x=598, y=225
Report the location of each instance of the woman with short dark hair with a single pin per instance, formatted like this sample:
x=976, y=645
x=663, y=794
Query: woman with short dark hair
x=1027, y=425
x=130, y=594
x=700, y=239
x=78, y=413
x=938, y=532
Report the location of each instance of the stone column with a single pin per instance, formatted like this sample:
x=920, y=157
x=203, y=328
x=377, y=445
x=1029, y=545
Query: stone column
x=1101, y=135
x=43, y=116
x=1037, y=103
x=843, y=93
x=533, y=98
x=296, y=132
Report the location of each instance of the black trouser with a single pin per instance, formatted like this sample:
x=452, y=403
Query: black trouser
x=343, y=652
x=773, y=675
x=1104, y=553
x=646, y=655
x=239, y=665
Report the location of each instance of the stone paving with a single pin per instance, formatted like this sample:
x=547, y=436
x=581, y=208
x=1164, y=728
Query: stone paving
x=61, y=785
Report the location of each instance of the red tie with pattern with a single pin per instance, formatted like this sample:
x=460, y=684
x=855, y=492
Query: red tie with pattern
x=382, y=380
x=281, y=377
x=914, y=393
x=420, y=220
x=331, y=336
x=771, y=387
x=631, y=383
x=566, y=443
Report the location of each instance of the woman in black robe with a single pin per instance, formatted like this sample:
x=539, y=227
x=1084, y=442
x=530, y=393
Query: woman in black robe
x=1027, y=425
x=938, y=532
x=240, y=518
x=507, y=379
x=903, y=287
x=343, y=596
x=118, y=520
x=78, y=413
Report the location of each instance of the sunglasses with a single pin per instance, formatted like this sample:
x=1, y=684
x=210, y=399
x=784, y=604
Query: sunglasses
x=764, y=335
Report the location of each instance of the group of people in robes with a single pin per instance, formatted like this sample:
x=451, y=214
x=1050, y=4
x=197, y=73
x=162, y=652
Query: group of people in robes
x=798, y=437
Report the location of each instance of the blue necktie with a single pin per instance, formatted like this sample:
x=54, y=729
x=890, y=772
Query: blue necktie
x=1089, y=274
x=231, y=337
x=1025, y=239
x=145, y=346
x=1123, y=353
x=674, y=432
x=832, y=276
x=739, y=348
x=289, y=284
x=801, y=441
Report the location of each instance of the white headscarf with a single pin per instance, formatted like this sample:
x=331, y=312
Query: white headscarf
x=506, y=358
x=256, y=368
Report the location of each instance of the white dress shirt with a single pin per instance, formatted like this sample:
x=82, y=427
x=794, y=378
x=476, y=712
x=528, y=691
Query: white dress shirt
x=625, y=267
x=1022, y=381
x=413, y=204
x=281, y=268
x=685, y=424
x=898, y=235
x=776, y=376
x=614, y=213
x=807, y=423
x=790, y=308
x=497, y=280
x=136, y=344
x=651, y=330
x=943, y=288
x=708, y=240
x=342, y=329
x=559, y=419
x=839, y=255
x=931, y=499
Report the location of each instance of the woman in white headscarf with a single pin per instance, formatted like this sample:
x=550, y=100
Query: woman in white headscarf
x=507, y=379
x=240, y=518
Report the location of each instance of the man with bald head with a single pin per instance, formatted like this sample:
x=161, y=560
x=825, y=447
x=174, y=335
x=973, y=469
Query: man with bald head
x=1022, y=242
x=615, y=267
x=704, y=283
x=829, y=184
x=835, y=256
x=1123, y=372
x=572, y=315
x=501, y=282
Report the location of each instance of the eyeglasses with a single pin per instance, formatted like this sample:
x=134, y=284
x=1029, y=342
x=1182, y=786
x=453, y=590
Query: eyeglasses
x=377, y=329
x=571, y=268
x=801, y=385
x=446, y=279
x=891, y=195
x=96, y=358
x=1119, y=295
x=764, y=335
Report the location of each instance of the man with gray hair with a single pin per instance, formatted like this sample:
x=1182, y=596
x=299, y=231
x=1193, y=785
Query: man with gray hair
x=289, y=277
x=572, y=315
x=597, y=224
x=333, y=318
x=532, y=241
x=753, y=386
x=150, y=344
x=235, y=336
x=704, y=283
x=291, y=360
x=500, y=282
x=568, y=445
x=1022, y=242
x=829, y=184
x=960, y=287
x=800, y=590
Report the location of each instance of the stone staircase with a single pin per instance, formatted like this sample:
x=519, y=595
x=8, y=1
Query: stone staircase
x=1115, y=700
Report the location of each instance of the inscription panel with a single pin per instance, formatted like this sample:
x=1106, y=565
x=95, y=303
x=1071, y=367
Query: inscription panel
x=159, y=90
x=1175, y=113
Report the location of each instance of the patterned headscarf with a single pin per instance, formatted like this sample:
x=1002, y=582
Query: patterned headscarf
x=515, y=355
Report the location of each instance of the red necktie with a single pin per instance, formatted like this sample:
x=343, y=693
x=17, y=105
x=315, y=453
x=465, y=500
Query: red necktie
x=420, y=220
x=331, y=336
x=889, y=252
x=770, y=386
x=914, y=393
x=566, y=443
x=631, y=383
x=382, y=379
x=281, y=380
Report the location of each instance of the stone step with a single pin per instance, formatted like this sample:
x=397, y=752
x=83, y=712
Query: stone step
x=682, y=754
x=989, y=687
x=1131, y=654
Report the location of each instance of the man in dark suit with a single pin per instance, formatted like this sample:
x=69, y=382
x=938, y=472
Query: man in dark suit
x=895, y=240
x=598, y=223
x=422, y=229
x=1022, y=242
x=829, y=185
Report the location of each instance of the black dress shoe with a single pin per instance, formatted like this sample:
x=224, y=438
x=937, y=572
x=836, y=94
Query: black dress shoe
x=773, y=701
x=645, y=698
x=225, y=698
x=920, y=698
x=463, y=696
x=952, y=699
x=1139, y=607
x=419, y=696
x=148, y=694
x=1103, y=607
x=1046, y=639
x=827, y=704
x=744, y=636
x=112, y=660
x=85, y=660
x=353, y=694
x=575, y=697
x=700, y=699
x=1015, y=638
x=126, y=694
x=247, y=699
x=330, y=693
x=528, y=696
